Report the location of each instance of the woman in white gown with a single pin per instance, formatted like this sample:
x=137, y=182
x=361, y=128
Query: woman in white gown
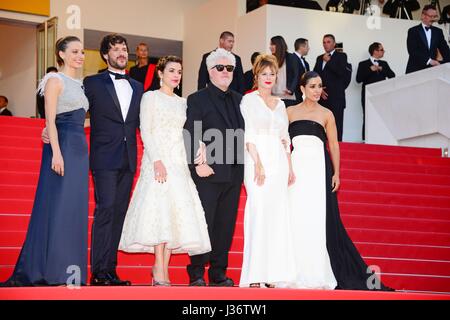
x=267, y=247
x=165, y=214
x=325, y=256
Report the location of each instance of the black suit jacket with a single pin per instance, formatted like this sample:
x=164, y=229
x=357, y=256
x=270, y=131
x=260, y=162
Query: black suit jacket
x=333, y=79
x=203, y=106
x=6, y=112
x=292, y=77
x=366, y=76
x=418, y=51
x=238, y=75
x=301, y=71
x=248, y=80
x=110, y=134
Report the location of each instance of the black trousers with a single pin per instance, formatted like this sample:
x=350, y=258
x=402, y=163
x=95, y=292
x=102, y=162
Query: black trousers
x=338, y=113
x=220, y=202
x=363, y=103
x=112, y=196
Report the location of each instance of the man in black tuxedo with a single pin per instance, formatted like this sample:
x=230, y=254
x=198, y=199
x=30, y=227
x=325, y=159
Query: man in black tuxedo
x=332, y=68
x=226, y=41
x=424, y=41
x=3, y=107
x=370, y=71
x=301, y=46
x=214, y=113
x=248, y=75
x=114, y=105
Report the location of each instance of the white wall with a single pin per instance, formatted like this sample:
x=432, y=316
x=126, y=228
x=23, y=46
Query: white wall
x=395, y=109
x=18, y=68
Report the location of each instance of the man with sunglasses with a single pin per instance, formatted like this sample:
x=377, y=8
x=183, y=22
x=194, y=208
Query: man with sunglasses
x=370, y=71
x=424, y=41
x=213, y=116
x=226, y=41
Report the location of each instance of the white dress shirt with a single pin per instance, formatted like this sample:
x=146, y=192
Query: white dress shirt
x=373, y=61
x=428, y=35
x=124, y=93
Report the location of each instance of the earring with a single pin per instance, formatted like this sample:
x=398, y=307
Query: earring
x=160, y=82
x=178, y=87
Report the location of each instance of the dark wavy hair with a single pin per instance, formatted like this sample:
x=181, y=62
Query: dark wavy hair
x=109, y=41
x=61, y=45
x=163, y=61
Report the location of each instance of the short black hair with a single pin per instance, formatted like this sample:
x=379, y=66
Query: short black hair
x=6, y=99
x=374, y=46
x=254, y=56
x=51, y=69
x=428, y=7
x=226, y=34
x=109, y=41
x=329, y=35
x=299, y=42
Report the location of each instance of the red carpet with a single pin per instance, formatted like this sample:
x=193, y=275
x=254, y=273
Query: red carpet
x=394, y=201
x=190, y=293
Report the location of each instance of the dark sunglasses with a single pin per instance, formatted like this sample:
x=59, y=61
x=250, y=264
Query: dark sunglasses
x=220, y=67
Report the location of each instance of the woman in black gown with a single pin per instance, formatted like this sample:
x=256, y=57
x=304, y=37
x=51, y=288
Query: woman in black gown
x=326, y=258
x=55, y=248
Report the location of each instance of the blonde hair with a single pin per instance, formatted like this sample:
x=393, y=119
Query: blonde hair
x=263, y=61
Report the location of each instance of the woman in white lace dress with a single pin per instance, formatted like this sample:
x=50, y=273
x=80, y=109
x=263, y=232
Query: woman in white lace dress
x=165, y=214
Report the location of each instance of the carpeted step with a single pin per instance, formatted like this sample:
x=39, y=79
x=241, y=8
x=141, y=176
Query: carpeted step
x=178, y=276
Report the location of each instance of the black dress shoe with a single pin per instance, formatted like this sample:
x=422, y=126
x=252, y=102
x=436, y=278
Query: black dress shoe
x=116, y=280
x=198, y=283
x=227, y=282
x=101, y=280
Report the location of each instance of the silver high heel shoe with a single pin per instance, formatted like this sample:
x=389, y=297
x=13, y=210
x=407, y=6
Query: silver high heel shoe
x=159, y=283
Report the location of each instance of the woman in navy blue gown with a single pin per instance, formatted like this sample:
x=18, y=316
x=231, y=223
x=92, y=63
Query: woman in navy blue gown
x=55, y=248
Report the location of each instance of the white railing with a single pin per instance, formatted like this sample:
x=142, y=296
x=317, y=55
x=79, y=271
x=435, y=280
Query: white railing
x=410, y=110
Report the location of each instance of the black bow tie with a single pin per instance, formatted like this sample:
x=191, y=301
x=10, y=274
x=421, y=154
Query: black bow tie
x=119, y=76
x=427, y=28
x=376, y=60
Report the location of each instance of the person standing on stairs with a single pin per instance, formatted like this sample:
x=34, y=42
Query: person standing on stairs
x=325, y=256
x=55, y=249
x=114, y=101
x=165, y=215
x=267, y=259
x=213, y=113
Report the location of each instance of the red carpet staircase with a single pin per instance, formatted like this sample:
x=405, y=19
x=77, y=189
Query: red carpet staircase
x=395, y=204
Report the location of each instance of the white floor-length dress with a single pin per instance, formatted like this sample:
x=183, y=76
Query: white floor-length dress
x=169, y=212
x=267, y=246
